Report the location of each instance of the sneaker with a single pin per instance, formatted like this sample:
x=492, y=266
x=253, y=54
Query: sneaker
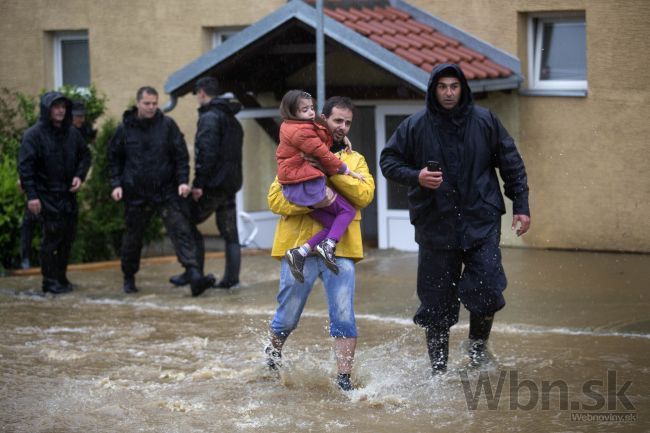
x=296, y=263
x=344, y=382
x=327, y=251
x=273, y=357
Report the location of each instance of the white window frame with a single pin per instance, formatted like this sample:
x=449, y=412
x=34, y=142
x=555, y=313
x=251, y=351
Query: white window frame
x=220, y=33
x=59, y=37
x=535, y=39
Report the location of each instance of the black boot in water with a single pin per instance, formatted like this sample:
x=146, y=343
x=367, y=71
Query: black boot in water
x=438, y=347
x=233, y=263
x=479, y=333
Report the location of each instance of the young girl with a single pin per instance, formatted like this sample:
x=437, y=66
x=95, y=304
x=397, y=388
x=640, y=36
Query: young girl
x=305, y=185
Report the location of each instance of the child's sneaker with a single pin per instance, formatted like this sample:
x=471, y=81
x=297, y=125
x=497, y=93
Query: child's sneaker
x=327, y=250
x=344, y=382
x=296, y=263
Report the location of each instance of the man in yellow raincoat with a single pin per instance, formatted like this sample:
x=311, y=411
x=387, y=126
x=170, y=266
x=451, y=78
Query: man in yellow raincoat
x=293, y=230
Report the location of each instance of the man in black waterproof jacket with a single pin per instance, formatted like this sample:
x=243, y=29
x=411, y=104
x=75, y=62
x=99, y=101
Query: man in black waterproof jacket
x=149, y=168
x=52, y=163
x=447, y=154
x=218, y=176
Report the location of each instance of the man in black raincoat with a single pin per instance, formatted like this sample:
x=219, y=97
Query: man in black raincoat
x=149, y=168
x=218, y=176
x=52, y=163
x=447, y=154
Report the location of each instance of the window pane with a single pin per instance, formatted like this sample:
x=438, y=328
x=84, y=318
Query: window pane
x=75, y=63
x=564, y=51
x=397, y=193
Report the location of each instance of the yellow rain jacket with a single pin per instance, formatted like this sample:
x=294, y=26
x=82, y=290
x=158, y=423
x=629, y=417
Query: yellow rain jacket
x=296, y=226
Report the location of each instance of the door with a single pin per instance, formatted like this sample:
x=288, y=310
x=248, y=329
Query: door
x=256, y=223
x=394, y=226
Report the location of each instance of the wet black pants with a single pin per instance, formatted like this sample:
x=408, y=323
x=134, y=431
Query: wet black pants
x=176, y=218
x=59, y=231
x=446, y=278
x=224, y=207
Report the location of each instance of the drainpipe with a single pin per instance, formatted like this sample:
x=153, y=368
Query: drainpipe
x=320, y=54
x=171, y=104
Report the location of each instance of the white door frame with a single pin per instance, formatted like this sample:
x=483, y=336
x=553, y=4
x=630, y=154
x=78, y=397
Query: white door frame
x=393, y=226
x=256, y=229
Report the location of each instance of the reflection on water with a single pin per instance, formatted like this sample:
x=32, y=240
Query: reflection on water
x=161, y=361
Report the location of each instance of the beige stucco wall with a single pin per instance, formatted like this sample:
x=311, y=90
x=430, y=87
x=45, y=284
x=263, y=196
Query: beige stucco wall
x=587, y=157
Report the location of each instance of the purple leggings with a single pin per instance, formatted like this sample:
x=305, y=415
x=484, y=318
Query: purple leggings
x=335, y=219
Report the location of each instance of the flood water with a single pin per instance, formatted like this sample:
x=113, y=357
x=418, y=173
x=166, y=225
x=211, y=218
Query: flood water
x=97, y=360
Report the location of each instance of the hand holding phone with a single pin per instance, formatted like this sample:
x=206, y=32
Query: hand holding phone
x=433, y=166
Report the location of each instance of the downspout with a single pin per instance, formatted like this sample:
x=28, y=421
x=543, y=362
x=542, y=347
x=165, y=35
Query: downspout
x=171, y=104
x=320, y=55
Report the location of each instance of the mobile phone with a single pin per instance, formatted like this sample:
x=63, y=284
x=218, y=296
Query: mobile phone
x=433, y=166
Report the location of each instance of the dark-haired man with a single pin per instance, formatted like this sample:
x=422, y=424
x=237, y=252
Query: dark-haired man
x=218, y=176
x=296, y=226
x=456, y=205
x=53, y=163
x=149, y=168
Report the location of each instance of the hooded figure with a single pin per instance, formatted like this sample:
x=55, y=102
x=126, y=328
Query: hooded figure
x=457, y=211
x=53, y=162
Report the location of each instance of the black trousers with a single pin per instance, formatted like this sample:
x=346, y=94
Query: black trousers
x=446, y=278
x=176, y=218
x=224, y=207
x=59, y=231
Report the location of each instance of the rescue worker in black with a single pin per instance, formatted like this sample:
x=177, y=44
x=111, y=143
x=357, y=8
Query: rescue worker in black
x=456, y=205
x=52, y=163
x=149, y=168
x=218, y=176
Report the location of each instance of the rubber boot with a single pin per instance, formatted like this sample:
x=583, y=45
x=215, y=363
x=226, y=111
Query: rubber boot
x=129, y=284
x=180, y=279
x=51, y=285
x=233, y=264
x=198, y=282
x=479, y=333
x=438, y=348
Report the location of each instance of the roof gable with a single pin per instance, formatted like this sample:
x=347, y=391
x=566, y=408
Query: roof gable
x=386, y=36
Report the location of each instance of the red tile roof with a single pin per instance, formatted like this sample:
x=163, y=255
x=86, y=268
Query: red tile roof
x=416, y=42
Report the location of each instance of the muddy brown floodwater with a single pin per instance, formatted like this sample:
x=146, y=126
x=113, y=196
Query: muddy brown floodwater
x=572, y=354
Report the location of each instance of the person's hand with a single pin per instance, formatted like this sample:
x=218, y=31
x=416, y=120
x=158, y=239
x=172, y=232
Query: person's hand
x=197, y=193
x=76, y=184
x=116, y=194
x=430, y=179
x=184, y=190
x=357, y=176
x=348, y=144
x=524, y=223
x=34, y=206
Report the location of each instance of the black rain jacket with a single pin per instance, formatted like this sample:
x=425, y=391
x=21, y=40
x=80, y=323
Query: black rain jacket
x=218, y=147
x=50, y=157
x=456, y=215
x=148, y=158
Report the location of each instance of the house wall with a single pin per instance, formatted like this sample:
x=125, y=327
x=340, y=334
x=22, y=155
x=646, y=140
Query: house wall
x=587, y=157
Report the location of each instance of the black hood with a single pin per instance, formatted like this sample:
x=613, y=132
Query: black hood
x=46, y=103
x=466, y=99
x=222, y=104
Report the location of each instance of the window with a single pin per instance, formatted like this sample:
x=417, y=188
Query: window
x=557, y=52
x=71, y=59
x=221, y=34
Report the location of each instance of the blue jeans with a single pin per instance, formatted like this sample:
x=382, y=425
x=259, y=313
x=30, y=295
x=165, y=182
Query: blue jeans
x=338, y=288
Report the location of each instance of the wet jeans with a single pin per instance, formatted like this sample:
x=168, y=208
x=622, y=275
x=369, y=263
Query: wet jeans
x=339, y=290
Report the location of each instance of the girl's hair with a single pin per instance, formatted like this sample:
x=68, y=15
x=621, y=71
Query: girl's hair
x=290, y=101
